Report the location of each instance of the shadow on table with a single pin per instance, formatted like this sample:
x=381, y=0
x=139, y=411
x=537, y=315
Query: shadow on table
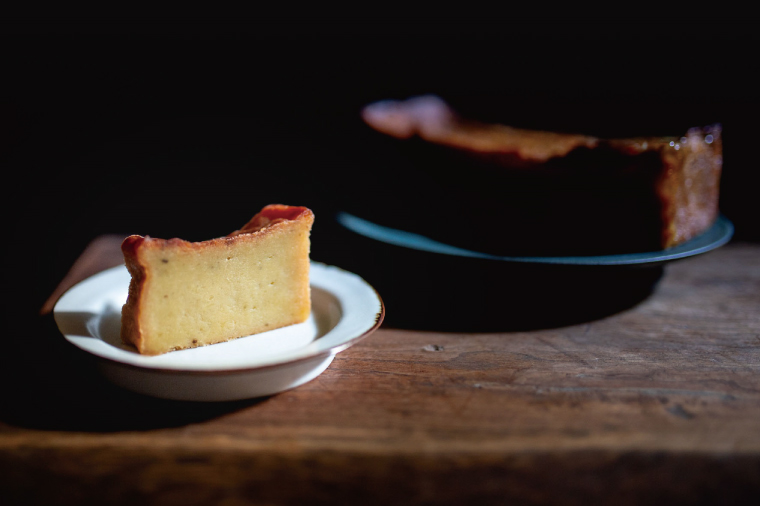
x=528, y=299
x=439, y=292
x=53, y=386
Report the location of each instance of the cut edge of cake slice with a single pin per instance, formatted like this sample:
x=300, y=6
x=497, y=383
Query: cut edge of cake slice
x=188, y=294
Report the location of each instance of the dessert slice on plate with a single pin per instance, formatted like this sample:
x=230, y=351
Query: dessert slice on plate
x=187, y=294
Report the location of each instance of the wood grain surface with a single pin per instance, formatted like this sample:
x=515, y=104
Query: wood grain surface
x=656, y=404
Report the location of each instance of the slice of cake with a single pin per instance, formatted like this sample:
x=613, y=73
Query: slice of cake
x=509, y=191
x=187, y=294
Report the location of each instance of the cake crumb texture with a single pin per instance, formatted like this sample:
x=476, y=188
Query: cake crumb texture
x=189, y=294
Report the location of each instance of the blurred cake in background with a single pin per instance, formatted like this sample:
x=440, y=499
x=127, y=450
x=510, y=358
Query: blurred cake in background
x=509, y=191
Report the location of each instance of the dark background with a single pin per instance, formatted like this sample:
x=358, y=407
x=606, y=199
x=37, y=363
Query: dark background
x=186, y=129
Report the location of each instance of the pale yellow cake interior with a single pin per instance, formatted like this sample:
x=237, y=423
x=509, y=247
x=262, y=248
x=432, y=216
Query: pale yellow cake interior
x=198, y=296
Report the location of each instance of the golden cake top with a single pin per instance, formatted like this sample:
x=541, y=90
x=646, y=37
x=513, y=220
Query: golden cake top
x=268, y=217
x=433, y=120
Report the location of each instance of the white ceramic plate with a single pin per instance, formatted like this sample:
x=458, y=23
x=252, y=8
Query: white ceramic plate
x=345, y=308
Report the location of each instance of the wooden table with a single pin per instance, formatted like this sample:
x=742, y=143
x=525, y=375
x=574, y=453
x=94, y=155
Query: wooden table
x=657, y=404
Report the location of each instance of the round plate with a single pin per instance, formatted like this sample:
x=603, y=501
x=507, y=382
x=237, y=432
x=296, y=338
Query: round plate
x=717, y=235
x=345, y=309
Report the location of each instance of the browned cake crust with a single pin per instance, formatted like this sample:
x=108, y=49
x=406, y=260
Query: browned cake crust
x=256, y=230
x=677, y=178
